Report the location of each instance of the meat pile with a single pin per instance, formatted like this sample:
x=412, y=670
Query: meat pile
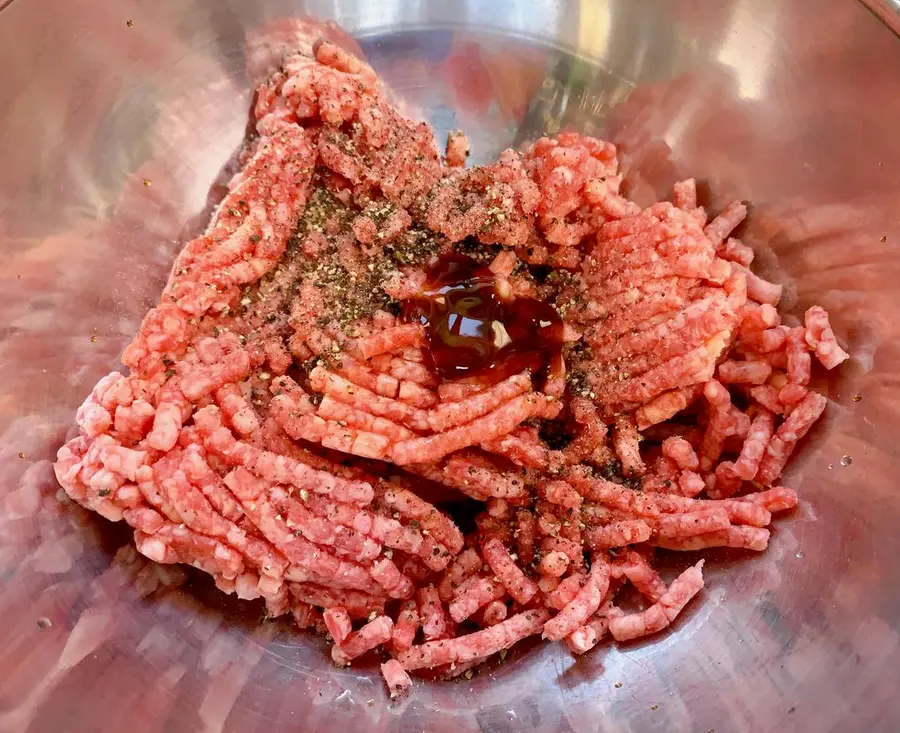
x=282, y=427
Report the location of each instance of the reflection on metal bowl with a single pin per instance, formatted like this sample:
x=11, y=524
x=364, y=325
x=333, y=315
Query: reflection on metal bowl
x=116, y=124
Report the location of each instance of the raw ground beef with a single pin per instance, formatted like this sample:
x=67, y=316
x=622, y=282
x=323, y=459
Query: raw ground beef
x=282, y=428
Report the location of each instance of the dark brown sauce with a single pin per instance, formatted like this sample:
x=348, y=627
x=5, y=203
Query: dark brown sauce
x=473, y=334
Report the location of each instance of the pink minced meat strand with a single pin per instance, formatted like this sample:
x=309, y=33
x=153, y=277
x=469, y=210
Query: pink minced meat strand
x=390, y=532
x=677, y=526
x=358, y=605
x=482, y=478
x=799, y=363
x=642, y=576
x=299, y=551
x=523, y=450
x=821, y=338
x=451, y=414
x=499, y=422
x=768, y=397
x=761, y=429
x=663, y=612
x=776, y=499
x=612, y=494
x=758, y=289
x=344, y=541
x=388, y=576
x=494, y=613
x=573, y=549
x=395, y=677
x=583, y=639
x=416, y=395
x=477, y=645
x=504, y=566
x=405, y=627
x=457, y=149
x=559, y=492
x=415, y=508
x=742, y=538
x=565, y=591
x=738, y=511
x=475, y=595
x=663, y=407
x=331, y=409
x=345, y=391
x=681, y=452
x=391, y=339
x=720, y=227
x=618, y=534
x=734, y=250
x=409, y=370
x=686, y=194
x=626, y=441
x=274, y=467
x=555, y=563
x=586, y=637
x=585, y=603
x=744, y=372
x=338, y=623
x=373, y=634
x=464, y=566
x=433, y=615
x=788, y=435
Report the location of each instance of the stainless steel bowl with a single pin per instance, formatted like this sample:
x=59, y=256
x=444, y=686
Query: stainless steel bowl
x=116, y=121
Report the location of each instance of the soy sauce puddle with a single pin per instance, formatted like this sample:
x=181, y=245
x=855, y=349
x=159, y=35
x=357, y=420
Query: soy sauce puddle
x=475, y=335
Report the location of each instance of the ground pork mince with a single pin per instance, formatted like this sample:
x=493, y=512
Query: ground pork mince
x=596, y=379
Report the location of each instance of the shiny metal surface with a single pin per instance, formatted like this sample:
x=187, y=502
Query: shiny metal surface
x=111, y=135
